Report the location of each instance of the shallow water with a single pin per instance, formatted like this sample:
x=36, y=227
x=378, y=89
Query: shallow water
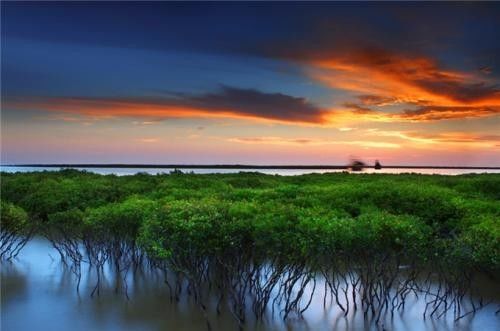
x=282, y=172
x=38, y=293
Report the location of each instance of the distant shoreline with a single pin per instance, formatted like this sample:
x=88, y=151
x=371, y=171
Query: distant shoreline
x=236, y=166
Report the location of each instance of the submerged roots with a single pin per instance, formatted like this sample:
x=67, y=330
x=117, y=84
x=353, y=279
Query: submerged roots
x=376, y=288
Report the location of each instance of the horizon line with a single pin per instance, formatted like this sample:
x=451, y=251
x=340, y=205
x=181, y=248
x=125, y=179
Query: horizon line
x=231, y=166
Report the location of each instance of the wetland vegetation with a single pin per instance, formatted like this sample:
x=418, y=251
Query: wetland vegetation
x=255, y=241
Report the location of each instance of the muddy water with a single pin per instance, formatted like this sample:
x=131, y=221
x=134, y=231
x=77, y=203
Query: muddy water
x=38, y=293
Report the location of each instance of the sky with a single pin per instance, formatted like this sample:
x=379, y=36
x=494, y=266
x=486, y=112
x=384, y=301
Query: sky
x=250, y=83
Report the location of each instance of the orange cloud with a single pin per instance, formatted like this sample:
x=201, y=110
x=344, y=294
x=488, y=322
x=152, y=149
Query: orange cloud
x=447, y=139
x=148, y=140
x=384, y=78
x=229, y=102
x=312, y=141
x=357, y=109
x=433, y=113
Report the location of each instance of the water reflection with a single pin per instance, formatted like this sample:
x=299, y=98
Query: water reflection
x=39, y=293
x=282, y=172
x=13, y=283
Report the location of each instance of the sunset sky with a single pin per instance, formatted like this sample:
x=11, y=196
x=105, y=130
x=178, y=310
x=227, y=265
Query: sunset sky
x=254, y=83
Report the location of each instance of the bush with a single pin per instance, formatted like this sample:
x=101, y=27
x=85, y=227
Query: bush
x=307, y=218
x=14, y=219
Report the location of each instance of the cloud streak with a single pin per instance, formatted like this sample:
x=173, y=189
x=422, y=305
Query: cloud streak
x=435, y=113
x=420, y=79
x=385, y=78
x=312, y=142
x=228, y=102
x=455, y=139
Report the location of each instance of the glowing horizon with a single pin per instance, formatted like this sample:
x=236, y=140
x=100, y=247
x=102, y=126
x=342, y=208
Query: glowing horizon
x=251, y=83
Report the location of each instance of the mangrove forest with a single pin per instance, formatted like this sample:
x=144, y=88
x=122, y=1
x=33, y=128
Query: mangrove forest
x=255, y=242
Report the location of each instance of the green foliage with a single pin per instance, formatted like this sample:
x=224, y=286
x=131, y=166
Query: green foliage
x=118, y=220
x=69, y=222
x=13, y=219
x=481, y=244
x=297, y=219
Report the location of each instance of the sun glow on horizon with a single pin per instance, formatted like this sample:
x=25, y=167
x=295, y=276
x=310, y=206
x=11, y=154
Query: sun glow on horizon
x=328, y=92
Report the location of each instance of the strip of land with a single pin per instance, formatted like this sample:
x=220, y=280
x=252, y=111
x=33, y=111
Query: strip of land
x=236, y=166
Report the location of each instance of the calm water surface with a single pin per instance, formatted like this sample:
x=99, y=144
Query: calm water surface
x=38, y=293
x=283, y=172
